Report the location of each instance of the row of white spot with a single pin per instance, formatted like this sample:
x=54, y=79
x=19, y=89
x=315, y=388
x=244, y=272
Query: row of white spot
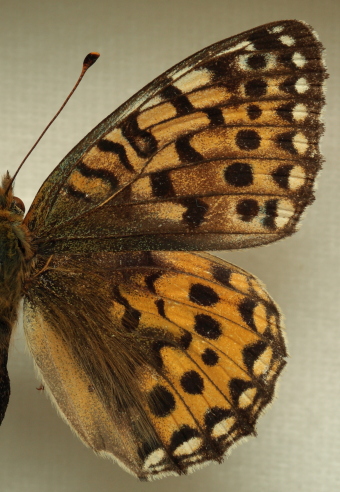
x=186, y=449
x=188, y=80
x=199, y=78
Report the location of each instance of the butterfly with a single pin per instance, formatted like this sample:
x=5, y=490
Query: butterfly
x=158, y=355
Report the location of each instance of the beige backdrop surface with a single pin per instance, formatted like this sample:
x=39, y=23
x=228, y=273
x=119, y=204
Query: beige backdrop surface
x=42, y=46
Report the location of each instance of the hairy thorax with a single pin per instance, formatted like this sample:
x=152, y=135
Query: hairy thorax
x=12, y=266
x=15, y=255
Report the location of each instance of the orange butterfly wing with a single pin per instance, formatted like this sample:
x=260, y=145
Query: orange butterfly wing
x=170, y=369
x=219, y=152
x=163, y=360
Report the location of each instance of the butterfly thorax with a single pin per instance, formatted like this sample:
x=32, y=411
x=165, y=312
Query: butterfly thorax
x=15, y=253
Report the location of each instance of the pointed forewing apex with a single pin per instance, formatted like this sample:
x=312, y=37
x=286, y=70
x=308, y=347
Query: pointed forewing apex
x=219, y=152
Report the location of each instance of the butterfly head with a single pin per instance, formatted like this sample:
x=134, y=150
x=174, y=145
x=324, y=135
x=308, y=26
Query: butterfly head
x=9, y=202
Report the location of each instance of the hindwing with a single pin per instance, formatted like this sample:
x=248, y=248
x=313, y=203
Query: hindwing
x=167, y=366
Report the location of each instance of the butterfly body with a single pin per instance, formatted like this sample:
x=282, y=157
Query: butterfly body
x=15, y=254
x=158, y=357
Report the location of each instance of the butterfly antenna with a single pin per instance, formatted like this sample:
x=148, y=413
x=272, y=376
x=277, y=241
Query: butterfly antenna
x=89, y=60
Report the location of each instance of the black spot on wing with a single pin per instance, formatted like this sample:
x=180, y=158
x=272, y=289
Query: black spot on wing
x=285, y=141
x=203, y=295
x=239, y=174
x=161, y=402
x=183, y=105
x=248, y=139
x=179, y=100
x=215, y=116
x=285, y=111
x=130, y=320
x=186, y=152
x=142, y=141
x=103, y=174
x=161, y=184
x=271, y=214
x=255, y=88
x=196, y=210
x=254, y=112
x=77, y=194
x=131, y=316
x=160, y=307
x=281, y=175
x=263, y=40
x=287, y=60
x=246, y=310
x=257, y=61
x=210, y=357
x=157, y=347
x=170, y=92
x=115, y=148
x=185, y=340
x=222, y=274
x=150, y=281
x=207, y=327
x=220, y=67
x=247, y=209
x=192, y=383
x=289, y=85
x=146, y=449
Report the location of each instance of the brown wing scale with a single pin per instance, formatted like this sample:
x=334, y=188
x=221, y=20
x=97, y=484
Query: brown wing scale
x=220, y=152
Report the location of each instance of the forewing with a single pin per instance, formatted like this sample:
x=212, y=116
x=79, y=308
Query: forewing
x=167, y=366
x=219, y=152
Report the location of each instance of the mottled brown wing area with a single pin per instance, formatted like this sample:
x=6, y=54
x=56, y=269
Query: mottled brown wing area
x=219, y=152
x=167, y=366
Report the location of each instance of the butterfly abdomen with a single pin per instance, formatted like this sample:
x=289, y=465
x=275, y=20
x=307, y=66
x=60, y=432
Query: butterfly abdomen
x=11, y=262
x=10, y=289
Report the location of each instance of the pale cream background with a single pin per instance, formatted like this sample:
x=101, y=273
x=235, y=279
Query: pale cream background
x=42, y=47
